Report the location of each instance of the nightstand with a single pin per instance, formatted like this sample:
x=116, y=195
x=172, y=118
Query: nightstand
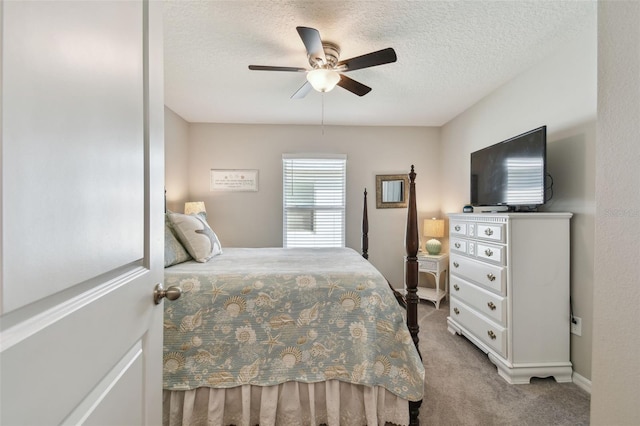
x=434, y=265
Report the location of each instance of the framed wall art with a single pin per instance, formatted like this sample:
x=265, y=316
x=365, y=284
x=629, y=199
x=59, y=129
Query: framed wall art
x=234, y=180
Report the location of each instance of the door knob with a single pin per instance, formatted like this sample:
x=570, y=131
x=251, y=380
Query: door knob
x=172, y=293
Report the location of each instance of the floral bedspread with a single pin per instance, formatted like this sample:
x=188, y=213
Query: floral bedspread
x=272, y=315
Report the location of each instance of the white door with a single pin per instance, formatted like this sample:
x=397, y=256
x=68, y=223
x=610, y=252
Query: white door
x=82, y=212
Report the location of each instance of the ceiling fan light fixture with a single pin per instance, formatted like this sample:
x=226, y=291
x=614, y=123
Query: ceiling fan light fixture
x=323, y=80
x=326, y=69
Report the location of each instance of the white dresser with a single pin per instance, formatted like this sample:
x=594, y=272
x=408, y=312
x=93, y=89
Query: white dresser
x=509, y=290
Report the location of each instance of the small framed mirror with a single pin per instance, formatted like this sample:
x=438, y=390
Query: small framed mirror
x=392, y=191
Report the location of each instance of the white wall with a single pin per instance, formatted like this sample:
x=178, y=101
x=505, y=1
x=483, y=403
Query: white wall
x=254, y=219
x=176, y=158
x=560, y=92
x=616, y=349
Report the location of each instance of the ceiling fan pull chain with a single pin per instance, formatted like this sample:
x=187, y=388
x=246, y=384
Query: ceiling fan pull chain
x=322, y=120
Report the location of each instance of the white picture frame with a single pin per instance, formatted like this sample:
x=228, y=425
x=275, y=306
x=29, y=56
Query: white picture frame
x=234, y=180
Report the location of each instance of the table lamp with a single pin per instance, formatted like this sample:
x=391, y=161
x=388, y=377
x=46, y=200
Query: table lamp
x=433, y=228
x=195, y=207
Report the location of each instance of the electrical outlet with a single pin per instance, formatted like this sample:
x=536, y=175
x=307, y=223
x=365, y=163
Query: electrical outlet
x=576, y=326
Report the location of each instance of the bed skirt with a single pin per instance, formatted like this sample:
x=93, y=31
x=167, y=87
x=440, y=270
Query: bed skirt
x=292, y=403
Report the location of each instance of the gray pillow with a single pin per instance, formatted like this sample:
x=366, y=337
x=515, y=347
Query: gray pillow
x=174, y=251
x=196, y=236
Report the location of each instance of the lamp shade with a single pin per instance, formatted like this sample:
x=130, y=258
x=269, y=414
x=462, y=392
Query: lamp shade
x=323, y=80
x=194, y=207
x=433, y=228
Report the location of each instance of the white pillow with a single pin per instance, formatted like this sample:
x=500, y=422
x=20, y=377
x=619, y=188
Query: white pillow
x=196, y=236
x=174, y=251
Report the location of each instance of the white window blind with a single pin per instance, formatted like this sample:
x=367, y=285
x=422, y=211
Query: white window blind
x=314, y=201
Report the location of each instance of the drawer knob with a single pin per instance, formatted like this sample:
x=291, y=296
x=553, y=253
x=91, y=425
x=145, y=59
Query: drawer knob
x=456, y=264
x=456, y=310
x=488, y=232
x=488, y=252
x=491, y=306
x=457, y=227
x=491, y=334
x=457, y=245
x=491, y=277
x=455, y=286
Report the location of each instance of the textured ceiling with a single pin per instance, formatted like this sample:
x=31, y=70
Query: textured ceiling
x=450, y=55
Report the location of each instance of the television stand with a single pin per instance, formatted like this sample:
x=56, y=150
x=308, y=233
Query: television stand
x=490, y=209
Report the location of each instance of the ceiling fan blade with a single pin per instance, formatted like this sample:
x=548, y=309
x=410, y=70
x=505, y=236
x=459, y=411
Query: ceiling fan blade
x=372, y=59
x=270, y=68
x=353, y=86
x=313, y=43
x=302, y=91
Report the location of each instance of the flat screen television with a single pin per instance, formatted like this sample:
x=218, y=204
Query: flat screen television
x=512, y=172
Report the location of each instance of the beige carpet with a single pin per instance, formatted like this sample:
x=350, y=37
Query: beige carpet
x=463, y=387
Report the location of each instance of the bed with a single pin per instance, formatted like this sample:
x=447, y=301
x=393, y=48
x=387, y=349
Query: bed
x=289, y=336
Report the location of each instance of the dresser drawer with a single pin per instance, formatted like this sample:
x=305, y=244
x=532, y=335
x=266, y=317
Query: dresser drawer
x=491, y=231
x=492, y=277
x=458, y=245
x=485, y=302
x=490, y=333
x=492, y=253
x=458, y=228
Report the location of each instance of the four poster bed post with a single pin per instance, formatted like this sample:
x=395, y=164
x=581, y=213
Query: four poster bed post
x=365, y=228
x=410, y=300
x=411, y=279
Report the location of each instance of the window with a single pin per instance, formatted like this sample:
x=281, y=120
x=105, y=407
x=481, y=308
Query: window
x=313, y=200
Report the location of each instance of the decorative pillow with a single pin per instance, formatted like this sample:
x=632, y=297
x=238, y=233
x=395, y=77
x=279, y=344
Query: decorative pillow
x=196, y=236
x=174, y=251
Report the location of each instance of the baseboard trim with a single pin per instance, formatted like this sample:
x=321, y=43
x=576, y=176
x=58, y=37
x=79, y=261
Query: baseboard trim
x=582, y=382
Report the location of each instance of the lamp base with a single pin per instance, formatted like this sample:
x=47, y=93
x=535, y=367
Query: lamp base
x=433, y=247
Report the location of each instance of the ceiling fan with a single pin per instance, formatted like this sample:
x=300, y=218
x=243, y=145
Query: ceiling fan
x=326, y=69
